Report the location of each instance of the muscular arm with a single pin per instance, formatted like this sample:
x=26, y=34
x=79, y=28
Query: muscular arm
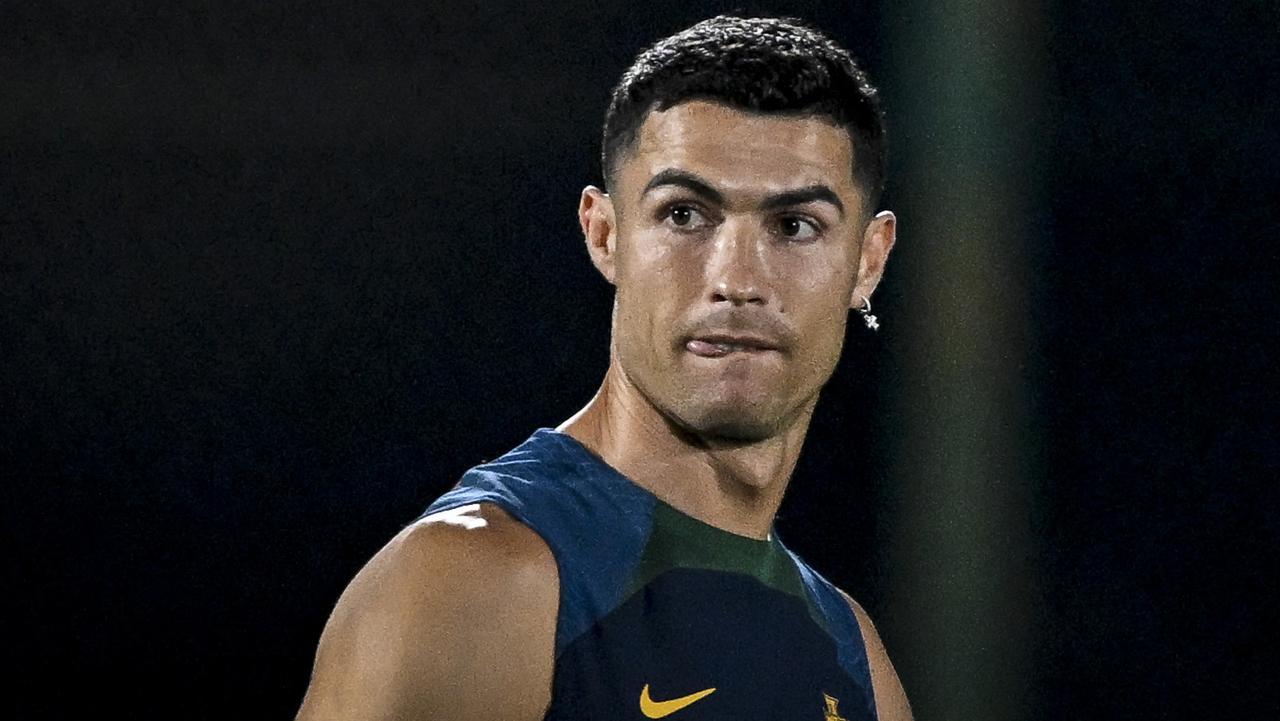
x=891, y=700
x=454, y=618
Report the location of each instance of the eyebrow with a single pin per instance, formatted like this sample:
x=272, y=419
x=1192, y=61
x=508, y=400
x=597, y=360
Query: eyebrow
x=787, y=198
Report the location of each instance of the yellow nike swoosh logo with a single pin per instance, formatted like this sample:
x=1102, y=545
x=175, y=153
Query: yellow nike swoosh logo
x=658, y=709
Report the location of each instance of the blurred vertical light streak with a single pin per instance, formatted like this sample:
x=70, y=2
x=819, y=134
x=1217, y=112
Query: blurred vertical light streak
x=963, y=92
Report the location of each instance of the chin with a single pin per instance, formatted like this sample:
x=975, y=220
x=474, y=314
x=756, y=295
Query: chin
x=736, y=424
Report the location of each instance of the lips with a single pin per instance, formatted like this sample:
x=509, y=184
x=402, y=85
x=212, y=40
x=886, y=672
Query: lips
x=718, y=346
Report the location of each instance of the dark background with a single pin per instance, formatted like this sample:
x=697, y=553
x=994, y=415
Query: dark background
x=271, y=278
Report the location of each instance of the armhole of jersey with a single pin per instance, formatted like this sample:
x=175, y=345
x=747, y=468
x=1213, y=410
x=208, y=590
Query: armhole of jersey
x=851, y=647
x=591, y=573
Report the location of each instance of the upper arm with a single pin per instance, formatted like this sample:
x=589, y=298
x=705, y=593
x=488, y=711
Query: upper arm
x=454, y=618
x=891, y=699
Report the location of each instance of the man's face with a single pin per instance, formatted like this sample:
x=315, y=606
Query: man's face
x=736, y=248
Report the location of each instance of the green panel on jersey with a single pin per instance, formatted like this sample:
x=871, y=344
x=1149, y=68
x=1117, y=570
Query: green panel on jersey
x=681, y=541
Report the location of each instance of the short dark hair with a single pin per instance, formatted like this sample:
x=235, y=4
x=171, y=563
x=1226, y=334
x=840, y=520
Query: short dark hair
x=766, y=65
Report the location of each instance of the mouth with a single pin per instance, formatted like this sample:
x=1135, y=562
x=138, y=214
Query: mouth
x=719, y=346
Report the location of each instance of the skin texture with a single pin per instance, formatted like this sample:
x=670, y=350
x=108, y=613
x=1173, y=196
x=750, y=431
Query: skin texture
x=719, y=221
x=685, y=264
x=404, y=642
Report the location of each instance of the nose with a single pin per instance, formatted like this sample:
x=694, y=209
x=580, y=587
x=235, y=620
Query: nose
x=737, y=270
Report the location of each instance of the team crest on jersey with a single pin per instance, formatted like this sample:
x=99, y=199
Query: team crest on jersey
x=831, y=713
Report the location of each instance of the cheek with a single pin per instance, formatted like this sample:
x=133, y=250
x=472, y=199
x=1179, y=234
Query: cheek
x=651, y=256
x=828, y=271
x=819, y=306
x=813, y=288
x=651, y=284
x=657, y=276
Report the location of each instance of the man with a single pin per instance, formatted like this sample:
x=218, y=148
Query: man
x=623, y=565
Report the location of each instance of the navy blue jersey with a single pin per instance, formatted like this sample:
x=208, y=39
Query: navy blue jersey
x=664, y=615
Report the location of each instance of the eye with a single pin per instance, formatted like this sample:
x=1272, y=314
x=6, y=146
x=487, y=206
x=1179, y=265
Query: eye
x=684, y=217
x=796, y=227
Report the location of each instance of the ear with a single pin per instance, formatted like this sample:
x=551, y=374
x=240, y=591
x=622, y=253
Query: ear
x=599, y=228
x=877, y=241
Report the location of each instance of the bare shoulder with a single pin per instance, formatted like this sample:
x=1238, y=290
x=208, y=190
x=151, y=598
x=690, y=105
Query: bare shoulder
x=476, y=535
x=455, y=614
x=891, y=699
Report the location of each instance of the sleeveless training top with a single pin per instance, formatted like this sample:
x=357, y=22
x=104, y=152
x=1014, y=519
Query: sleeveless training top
x=662, y=615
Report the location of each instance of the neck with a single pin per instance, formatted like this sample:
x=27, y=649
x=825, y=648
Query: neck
x=734, y=486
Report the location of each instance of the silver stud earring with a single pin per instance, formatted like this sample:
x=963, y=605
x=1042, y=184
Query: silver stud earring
x=867, y=318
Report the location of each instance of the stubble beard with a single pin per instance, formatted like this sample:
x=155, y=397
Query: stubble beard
x=692, y=415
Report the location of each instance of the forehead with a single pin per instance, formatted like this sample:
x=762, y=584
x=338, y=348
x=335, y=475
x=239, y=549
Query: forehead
x=740, y=151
